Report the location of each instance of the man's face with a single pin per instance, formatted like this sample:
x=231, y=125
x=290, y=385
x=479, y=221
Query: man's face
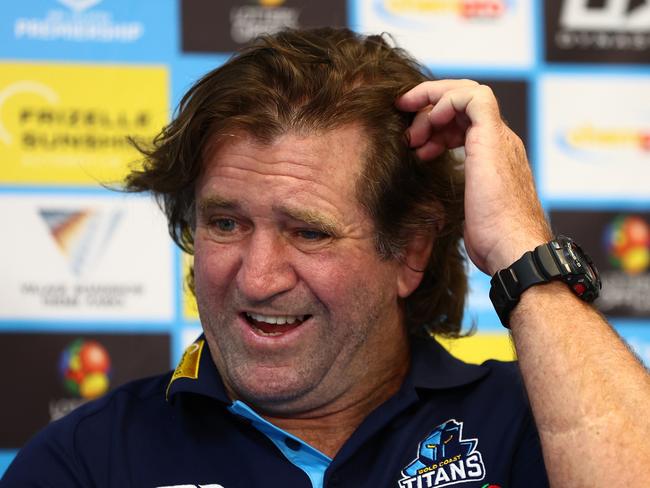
x=297, y=306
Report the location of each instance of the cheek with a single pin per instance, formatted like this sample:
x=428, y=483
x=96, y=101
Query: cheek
x=214, y=266
x=352, y=279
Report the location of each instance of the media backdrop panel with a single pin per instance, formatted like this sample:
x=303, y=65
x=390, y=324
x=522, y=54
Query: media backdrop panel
x=92, y=291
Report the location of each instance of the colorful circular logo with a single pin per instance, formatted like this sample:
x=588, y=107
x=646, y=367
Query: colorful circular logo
x=85, y=368
x=627, y=240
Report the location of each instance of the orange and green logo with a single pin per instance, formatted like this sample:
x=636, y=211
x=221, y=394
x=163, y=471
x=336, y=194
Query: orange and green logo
x=627, y=240
x=85, y=369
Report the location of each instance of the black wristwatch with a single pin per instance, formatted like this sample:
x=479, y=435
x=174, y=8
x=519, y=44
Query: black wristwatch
x=561, y=259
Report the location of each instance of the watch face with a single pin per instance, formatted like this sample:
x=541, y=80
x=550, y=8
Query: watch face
x=584, y=261
x=575, y=252
x=571, y=256
x=582, y=274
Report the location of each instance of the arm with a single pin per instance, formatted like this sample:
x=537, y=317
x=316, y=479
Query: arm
x=588, y=392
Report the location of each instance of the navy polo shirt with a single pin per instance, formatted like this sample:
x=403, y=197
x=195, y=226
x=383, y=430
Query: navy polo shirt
x=450, y=424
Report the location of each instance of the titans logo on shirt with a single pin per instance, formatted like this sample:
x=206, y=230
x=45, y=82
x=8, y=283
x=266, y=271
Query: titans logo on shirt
x=444, y=458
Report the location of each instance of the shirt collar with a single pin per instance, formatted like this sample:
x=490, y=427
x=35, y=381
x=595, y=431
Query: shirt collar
x=432, y=367
x=197, y=373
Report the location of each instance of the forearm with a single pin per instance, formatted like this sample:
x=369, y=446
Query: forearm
x=588, y=393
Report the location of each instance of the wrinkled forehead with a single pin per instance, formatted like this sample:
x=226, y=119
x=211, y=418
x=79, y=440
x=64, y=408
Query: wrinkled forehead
x=340, y=152
x=307, y=177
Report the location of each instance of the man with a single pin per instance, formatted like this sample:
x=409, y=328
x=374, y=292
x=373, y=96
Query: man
x=326, y=254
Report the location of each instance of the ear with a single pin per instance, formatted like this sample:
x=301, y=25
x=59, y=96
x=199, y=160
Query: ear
x=413, y=263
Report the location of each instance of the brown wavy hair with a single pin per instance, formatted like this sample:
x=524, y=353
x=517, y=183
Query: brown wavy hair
x=316, y=80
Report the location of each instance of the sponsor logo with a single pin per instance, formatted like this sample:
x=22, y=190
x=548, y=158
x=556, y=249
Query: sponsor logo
x=90, y=257
x=590, y=139
x=48, y=374
x=420, y=13
x=619, y=244
x=249, y=21
x=444, y=458
x=63, y=406
x=44, y=92
x=85, y=372
x=607, y=15
x=587, y=132
x=79, y=5
x=72, y=124
x=43, y=125
x=78, y=21
x=87, y=296
x=626, y=287
x=627, y=241
x=501, y=27
x=81, y=235
x=620, y=29
x=85, y=369
x=225, y=25
x=188, y=366
x=465, y=9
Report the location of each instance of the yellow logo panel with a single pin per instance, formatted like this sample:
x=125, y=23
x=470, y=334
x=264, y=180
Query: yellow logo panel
x=68, y=124
x=480, y=347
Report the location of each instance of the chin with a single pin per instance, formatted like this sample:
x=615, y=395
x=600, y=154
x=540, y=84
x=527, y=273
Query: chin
x=273, y=395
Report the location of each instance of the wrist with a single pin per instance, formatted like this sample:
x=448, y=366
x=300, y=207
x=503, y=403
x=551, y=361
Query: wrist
x=510, y=250
x=561, y=259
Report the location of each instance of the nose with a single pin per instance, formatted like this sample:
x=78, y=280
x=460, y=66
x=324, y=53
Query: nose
x=265, y=270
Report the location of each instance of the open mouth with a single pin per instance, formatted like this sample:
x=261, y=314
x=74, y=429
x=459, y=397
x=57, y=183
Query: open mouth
x=273, y=325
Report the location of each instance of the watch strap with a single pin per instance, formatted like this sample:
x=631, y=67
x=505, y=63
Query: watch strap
x=507, y=285
x=560, y=259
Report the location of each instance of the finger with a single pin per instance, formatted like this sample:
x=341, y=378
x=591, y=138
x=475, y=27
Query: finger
x=441, y=114
x=463, y=122
x=477, y=103
x=431, y=150
x=439, y=143
x=450, y=105
x=468, y=103
x=420, y=130
x=428, y=93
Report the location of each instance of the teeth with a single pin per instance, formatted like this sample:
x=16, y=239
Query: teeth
x=277, y=320
x=268, y=334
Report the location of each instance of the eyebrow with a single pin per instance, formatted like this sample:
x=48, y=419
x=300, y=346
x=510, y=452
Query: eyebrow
x=323, y=222
x=217, y=202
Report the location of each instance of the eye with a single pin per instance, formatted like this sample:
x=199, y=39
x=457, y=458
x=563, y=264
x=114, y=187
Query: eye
x=224, y=224
x=312, y=235
x=311, y=240
x=226, y=229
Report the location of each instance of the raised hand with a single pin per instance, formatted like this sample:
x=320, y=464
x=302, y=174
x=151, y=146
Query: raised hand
x=503, y=216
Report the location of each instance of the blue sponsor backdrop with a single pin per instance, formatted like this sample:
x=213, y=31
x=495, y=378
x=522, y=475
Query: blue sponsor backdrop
x=513, y=43
x=110, y=30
